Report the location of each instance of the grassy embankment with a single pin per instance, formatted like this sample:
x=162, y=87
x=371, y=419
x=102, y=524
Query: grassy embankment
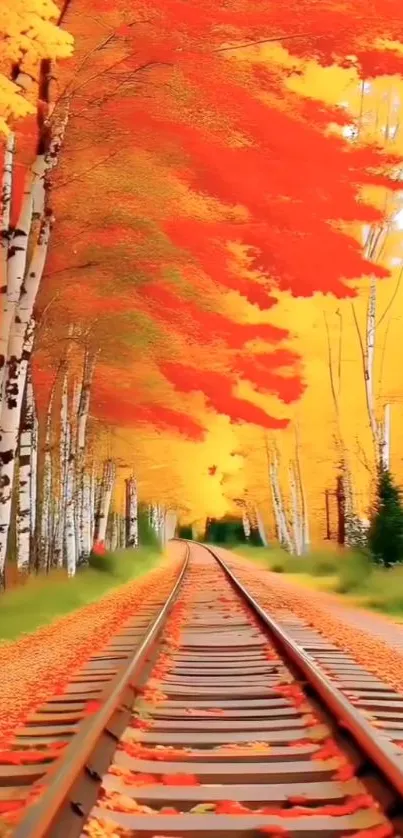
x=351, y=574
x=44, y=598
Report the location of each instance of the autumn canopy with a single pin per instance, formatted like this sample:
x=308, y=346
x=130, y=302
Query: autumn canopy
x=177, y=180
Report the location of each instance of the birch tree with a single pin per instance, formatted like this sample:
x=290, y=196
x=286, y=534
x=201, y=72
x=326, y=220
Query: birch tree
x=83, y=488
x=132, y=534
x=60, y=518
x=104, y=502
x=283, y=533
x=25, y=525
x=70, y=539
x=246, y=524
x=261, y=527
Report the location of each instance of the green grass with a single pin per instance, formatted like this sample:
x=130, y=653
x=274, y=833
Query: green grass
x=348, y=573
x=44, y=598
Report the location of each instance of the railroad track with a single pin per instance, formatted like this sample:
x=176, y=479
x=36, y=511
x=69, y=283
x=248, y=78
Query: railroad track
x=219, y=725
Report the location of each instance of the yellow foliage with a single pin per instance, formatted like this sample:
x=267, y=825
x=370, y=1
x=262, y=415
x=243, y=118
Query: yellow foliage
x=28, y=34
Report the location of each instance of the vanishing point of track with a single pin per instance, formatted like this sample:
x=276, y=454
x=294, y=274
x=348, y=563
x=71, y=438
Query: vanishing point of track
x=211, y=720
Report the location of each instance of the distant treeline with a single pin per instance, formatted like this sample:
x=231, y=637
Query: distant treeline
x=230, y=530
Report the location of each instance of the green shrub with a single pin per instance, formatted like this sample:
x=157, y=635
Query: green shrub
x=277, y=568
x=354, y=572
x=147, y=534
x=385, y=590
x=105, y=563
x=385, y=538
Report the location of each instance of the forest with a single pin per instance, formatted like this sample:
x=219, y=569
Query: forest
x=201, y=259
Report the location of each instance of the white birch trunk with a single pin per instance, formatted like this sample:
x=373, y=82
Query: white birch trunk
x=17, y=250
x=86, y=516
x=19, y=352
x=349, y=512
x=108, y=481
x=23, y=524
x=46, y=541
x=385, y=454
x=297, y=523
x=5, y=235
x=93, y=503
x=276, y=511
x=154, y=518
x=34, y=458
x=246, y=525
x=261, y=527
x=83, y=494
x=132, y=536
x=70, y=534
x=59, y=542
x=115, y=532
x=122, y=532
x=284, y=535
x=305, y=533
x=161, y=525
x=369, y=364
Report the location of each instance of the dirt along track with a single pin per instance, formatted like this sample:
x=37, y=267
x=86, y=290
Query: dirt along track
x=225, y=726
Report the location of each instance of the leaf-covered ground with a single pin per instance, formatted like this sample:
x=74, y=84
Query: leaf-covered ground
x=39, y=665
x=277, y=594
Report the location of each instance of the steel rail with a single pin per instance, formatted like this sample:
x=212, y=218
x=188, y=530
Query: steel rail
x=376, y=749
x=41, y=815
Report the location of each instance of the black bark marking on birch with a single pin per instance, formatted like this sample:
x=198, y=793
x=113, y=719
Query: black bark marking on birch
x=2, y=361
x=13, y=250
x=7, y=457
x=3, y=289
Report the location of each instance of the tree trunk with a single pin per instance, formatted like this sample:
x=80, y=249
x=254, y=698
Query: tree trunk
x=385, y=452
x=297, y=522
x=46, y=542
x=85, y=518
x=108, y=480
x=34, y=462
x=246, y=525
x=161, y=525
x=283, y=533
x=115, y=532
x=132, y=536
x=60, y=525
x=341, y=511
x=5, y=236
x=19, y=353
x=23, y=524
x=16, y=245
x=305, y=534
x=261, y=528
x=83, y=503
x=369, y=365
x=70, y=529
x=122, y=532
x=327, y=513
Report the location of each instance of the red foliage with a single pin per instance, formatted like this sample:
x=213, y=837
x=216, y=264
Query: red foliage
x=236, y=134
x=218, y=391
